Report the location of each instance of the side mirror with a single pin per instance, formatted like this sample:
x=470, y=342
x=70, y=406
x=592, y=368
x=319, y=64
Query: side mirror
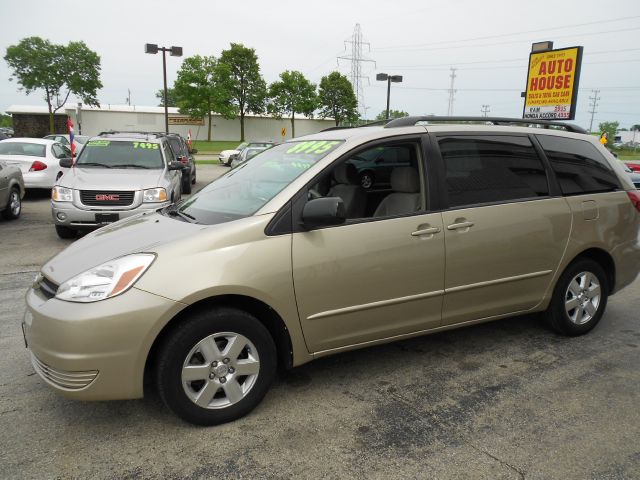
x=66, y=162
x=323, y=212
x=175, y=165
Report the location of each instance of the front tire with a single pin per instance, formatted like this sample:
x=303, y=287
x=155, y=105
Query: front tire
x=216, y=366
x=14, y=205
x=579, y=299
x=186, y=185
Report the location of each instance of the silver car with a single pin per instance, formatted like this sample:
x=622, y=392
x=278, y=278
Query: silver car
x=11, y=191
x=116, y=175
x=246, y=154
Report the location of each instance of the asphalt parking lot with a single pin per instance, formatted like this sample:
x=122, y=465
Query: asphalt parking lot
x=509, y=399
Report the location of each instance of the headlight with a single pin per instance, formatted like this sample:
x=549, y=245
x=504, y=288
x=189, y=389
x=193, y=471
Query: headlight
x=61, y=194
x=106, y=280
x=154, y=195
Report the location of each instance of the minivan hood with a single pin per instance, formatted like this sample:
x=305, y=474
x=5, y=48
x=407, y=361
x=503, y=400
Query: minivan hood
x=95, y=178
x=140, y=233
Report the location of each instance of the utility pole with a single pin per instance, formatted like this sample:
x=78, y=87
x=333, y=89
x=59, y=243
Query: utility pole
x=593, y=105
x=485, y=110
x=128, y=97
x=451, y=92
x=357, y=58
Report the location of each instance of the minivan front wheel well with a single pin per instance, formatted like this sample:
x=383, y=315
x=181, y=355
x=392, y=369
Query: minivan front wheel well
x=260, y=310
x=605, y=261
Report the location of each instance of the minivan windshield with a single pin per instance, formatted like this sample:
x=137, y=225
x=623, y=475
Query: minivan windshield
x=120, y=154
x=247, y=188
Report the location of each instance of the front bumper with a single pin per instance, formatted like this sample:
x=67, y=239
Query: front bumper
x=95, y=351
x=75, y=217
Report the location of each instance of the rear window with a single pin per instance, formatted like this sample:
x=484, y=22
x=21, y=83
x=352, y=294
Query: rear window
x=579, y=166
x=121, y=154
x=22, y=148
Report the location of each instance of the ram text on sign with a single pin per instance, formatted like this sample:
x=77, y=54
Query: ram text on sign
x=552, y=84
x=185, y=121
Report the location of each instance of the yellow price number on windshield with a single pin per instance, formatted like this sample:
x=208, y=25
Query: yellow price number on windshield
x=151, y=146
x=313, y=147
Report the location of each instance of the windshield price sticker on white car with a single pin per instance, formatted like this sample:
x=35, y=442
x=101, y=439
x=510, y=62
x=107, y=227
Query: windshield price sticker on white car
x=552, y=84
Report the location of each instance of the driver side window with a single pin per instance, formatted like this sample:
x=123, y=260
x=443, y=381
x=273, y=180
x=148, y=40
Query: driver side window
x=376, y=182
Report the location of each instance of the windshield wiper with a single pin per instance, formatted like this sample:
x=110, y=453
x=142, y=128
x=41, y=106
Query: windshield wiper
x=174, y=212
x=92, y=164
x=129, y=165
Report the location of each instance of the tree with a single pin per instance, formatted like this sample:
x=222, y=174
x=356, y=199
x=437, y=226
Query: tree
x=239, y=74
x=336, y=98
x=635, y=128
x=6, y=120
x=293, y=93
x=59, y=70
x=198, y=91
x=392, y=114
x=172, y=100
x=611, y=128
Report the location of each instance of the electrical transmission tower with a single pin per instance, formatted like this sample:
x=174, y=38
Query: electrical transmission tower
x=485, y=110
x=451, y=92
x=357, y=58
x=593, y=105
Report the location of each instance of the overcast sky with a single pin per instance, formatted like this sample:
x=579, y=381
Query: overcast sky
x=488, y=41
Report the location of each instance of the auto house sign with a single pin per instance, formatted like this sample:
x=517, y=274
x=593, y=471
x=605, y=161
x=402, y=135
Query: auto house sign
x=552, y=84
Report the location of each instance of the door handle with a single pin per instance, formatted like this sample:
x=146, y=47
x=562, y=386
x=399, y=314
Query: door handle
x=425, y=231
x=457, y=226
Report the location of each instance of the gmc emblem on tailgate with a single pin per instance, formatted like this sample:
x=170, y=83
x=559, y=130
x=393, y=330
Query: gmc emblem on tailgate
x=111, y=197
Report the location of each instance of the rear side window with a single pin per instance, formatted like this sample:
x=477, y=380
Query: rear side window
x=579, y=166
x=21, y=148
x=489, y=169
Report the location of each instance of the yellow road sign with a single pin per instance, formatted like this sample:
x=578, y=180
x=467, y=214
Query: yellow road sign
x=283, y=132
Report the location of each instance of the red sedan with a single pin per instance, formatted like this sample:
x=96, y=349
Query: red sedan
x=634, y=165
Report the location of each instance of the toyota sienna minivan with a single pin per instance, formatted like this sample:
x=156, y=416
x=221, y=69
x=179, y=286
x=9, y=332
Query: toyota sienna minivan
x=287, y=258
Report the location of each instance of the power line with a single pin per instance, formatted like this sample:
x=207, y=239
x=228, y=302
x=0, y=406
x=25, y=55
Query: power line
x=511, y=42
x=519, y=59
x=488, y=37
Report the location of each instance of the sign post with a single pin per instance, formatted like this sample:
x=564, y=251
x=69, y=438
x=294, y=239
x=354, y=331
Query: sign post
x=552, y=84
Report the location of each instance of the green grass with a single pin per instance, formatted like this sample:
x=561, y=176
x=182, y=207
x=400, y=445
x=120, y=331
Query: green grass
x=211, y=148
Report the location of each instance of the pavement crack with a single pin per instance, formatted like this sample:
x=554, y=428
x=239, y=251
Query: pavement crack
x=520, y=473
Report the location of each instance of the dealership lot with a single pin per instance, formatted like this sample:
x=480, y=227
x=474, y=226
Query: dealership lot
x=508, y=399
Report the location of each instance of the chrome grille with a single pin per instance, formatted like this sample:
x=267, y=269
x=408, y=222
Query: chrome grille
x=106, y=198
x=62, y=378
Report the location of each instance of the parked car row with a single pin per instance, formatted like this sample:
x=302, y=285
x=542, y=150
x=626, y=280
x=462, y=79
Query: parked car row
x=115, y=175
x=232, y=158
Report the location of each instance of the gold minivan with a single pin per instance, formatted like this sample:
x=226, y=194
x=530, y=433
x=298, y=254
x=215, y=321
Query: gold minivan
x=331, y=242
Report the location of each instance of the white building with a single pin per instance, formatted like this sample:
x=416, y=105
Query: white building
x=93, y=120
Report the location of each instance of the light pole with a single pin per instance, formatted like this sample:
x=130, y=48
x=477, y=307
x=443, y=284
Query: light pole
x=153, y=48
x=388, y=78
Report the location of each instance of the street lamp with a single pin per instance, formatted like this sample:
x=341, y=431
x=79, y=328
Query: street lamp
x=152, y=48
x=388, y=78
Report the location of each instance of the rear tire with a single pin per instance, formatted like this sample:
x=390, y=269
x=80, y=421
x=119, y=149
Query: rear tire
x=579, y=298
x=216, y=366
x=65, y=232
x=14, y=205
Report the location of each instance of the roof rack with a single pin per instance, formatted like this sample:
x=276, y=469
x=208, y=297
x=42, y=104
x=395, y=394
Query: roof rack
x=410, y=121
x=134, y=132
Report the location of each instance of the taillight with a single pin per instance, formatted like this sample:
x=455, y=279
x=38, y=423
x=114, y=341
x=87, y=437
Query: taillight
x=634, y=196
x=37, y=166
